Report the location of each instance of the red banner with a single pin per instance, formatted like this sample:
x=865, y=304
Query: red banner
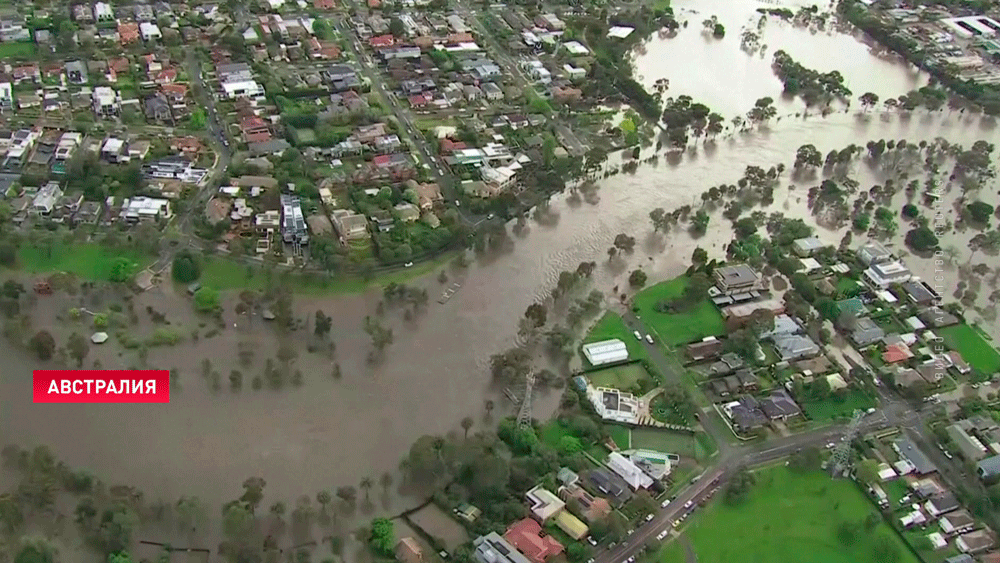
x=101, y=386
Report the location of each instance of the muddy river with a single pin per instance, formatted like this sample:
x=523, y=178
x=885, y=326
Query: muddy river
x=330, y=433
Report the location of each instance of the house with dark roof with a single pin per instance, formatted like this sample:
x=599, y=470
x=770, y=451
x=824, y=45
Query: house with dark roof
x=957, y=522
x=746, y=414
x=989, y=467
x=909, y=451
x=936, y=317
x=864, y=332
x=779, y=406
x=919, y=293
x=941, y=505
x=977, y=541
x=704, y=350
x=608, y=484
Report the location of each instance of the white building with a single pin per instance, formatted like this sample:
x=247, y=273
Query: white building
x=630, y=472
x=145, y=208
x=6, y=96
x=243, y=89
x=544, y=504
x=46, y=199
x=103, y=12
x=106, y=102
x=884, y=274
x=499, y=178
x=605, y=352
x=149, y=31
x=576, y=48
x=614, y=405
x=21, y=143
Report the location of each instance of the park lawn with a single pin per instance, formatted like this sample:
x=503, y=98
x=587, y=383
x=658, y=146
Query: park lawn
x=833, y=407
x=224, y=274
x=623, y=377
x=678, y=328
x=972, y=346
x=16, y=49
x=612, y=326
x=665, y=441
x=787, y=517
x=89, y=261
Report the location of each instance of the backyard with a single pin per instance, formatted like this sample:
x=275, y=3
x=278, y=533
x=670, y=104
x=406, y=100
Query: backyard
x=974, y=349
x=695, y=323
x=666, y=441
x=790, y=516
x=14, y=50
x=625, y=377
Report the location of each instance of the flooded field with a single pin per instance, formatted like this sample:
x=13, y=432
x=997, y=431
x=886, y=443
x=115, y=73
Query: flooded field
x=328, y=432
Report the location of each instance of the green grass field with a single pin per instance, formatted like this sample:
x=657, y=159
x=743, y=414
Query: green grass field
x=611, y=326
x=16, y=50
x=623, y=377
x=789, y=517
x=694, y=324
x=222, y=274
x=833, y=407
x=665, y=441
x=619, y=434
x=972, y=346
x=88, y=261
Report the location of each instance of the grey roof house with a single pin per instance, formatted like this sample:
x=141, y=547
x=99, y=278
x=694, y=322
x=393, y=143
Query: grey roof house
x=865, y=332
x=906, y=449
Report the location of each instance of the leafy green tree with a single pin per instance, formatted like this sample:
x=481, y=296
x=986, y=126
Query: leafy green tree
x=381, y=538
x=185, y=268
x=121, y=270
x=979, y=212
x=637, y=278
x=78, y=348
x=921, y=239
x=206, y=300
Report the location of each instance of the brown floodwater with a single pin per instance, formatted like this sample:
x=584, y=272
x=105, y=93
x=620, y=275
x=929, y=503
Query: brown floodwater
x=330, y=433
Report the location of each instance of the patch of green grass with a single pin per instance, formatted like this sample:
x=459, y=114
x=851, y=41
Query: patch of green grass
x=619, y=434
x=222, y=274
x=694, y=324
x=624, y=377
x=665, y=441
x=552, y=432
x=838, y=406
x=17, y=50
x=611, y=326
x=788, y=517
x=89, y=261
x=847, y=287
x=974, y=349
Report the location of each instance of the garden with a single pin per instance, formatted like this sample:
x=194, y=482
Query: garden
x=791, y=516
x=839, y=404
x=631, y=377
x=696, y=321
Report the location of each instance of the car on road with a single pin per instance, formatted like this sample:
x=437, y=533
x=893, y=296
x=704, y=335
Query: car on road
x=591, y=540
x=637, y=335
x=830, y=446
x=665, y=503
x=491, y=215
x=632, y=531
x=630, y=559
x=661, y=535
x=688, y=504
x=408, y=265
x=649, y=339
x=649, y=517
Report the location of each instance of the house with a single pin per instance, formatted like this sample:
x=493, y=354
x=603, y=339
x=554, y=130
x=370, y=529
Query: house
x=884, y=274
x=933, y=371
x=149, y=31
x=736, y=278
x=919, y=293
x=409, y=551
x=157, y=108
x=144, y=208
x=629, y=471
x=105, y=101
x=792, y=347
x=571, y=525
x=873, y=253
x=46, y=199
x=616, y=490
x=737, y=316
x=255, y=129
x=103, y=12
x=941, y=504
x=544, y=504
x=494, y=548
x=988, y=468
x=958, y=362
x=128, y=32
x=614, y=405
x=896, y=352
x=936, y=317
x=242, y=89
x=909, y=451
x=707, y=349
x=864, y=332
x=975, y=542
x=526, y=536
x=592, y=509
x=567, y=476
x=428, y=194
x=349, y=225
x=491, y=91
x=970, y=448
x=957, y=522
x=807, y=246
x=779, y=406
x=6, y=96
x=76, y=72
x=745, y=414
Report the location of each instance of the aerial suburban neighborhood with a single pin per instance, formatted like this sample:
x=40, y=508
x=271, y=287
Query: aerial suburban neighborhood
x=760, y=309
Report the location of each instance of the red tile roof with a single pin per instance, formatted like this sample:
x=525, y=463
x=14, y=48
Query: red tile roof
x=251, y=122
x=178, y=91
x=165, y=76
x=119, y=64
x=382, y=41
x=324, y=4
x=896, y=353
x=128, y=32
x=418, y=100
x=525, y=536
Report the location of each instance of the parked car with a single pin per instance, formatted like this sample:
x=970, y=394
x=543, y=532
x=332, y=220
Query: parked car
x=688, y=504
x=649, y=339
x=649, y=517
x=591, y=540
x=637, y=335
x=665, y=503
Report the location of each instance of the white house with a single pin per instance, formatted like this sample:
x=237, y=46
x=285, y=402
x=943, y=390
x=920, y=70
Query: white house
x=243, y=89
x=149, y=31
x=46, y=199
x=103, y=12
x=140, y=208
x=630, y=472
x=884, y=274
x=106, y=102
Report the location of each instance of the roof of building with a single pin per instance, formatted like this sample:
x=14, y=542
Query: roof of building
x=573, y=526
x=605, y=351
x=544, y=503
x=909, y=450
x=736, y=274
x=494, y=548
x=526, y=536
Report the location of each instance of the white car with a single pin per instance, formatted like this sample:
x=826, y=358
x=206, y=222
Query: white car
x=664, y=503
x=637, y=335
x=689, y=504
x=649, y=339
x=591, y=540
x=408, y=265
x=661, y=535
x=649, y=517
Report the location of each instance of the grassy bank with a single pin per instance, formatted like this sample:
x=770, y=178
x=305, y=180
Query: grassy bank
x=88, y=261
x=612, y=326
x=972, y=346
x=790, y=517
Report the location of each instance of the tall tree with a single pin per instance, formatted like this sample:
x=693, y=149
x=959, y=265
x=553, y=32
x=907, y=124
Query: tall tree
x=78, y=348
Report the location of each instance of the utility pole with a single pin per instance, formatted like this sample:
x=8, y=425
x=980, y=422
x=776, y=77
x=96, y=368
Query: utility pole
x=524, y=413
x=840, y=461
